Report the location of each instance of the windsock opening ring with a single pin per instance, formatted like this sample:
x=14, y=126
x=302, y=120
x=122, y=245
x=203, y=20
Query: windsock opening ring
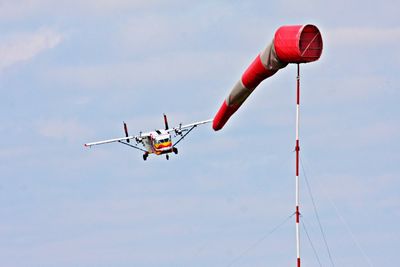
x=298, y=43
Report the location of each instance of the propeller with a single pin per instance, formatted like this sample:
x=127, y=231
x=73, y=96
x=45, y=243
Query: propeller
x=126, y=131
x=166, y=122
x=178, y=130
x=138, y=139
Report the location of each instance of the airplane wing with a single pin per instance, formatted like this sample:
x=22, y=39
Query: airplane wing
x=186, y=127
x=138, y=138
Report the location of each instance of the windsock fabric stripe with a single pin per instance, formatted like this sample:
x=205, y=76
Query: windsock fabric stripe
x=255, y=74
x=260, y=69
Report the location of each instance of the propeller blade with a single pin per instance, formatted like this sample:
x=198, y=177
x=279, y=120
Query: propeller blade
x=166, y=122
x=126, y=131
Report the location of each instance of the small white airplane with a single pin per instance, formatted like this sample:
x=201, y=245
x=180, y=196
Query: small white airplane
x=157, y=142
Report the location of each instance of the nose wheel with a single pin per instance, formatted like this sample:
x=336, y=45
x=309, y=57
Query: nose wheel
x=167, y=156
x=145, y=155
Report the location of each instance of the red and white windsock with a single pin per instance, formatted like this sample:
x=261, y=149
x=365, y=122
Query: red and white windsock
x=291, y=44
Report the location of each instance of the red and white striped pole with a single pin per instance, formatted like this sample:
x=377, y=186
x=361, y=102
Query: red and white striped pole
x=297, y=149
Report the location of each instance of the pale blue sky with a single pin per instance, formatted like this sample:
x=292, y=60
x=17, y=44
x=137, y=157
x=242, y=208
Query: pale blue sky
x=72, y=71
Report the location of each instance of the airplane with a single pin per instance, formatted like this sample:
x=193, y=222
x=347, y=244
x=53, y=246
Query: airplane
x=158, y=142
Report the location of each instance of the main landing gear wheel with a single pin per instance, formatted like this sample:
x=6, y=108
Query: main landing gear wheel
x=145, y=156
x=175, y=150
x=167, y=156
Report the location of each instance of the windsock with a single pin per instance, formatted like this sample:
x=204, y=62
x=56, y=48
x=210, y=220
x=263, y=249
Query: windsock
x=291, y=44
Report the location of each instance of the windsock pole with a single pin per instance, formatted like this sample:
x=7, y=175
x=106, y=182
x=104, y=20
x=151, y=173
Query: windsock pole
x=297, y=149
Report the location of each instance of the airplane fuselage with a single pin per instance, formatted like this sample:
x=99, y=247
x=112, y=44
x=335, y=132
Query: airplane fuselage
x=158, y=142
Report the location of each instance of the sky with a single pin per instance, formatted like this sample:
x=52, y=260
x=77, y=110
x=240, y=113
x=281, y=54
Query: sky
x=72, y=71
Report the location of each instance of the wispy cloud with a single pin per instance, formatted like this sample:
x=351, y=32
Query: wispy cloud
x=25, y=46
x=363, y=36
x=145, y=32
x=62, y=129
x=22, y=9
x=149, y=71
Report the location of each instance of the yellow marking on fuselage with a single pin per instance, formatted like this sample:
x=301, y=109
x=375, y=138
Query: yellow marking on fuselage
x=162, y=145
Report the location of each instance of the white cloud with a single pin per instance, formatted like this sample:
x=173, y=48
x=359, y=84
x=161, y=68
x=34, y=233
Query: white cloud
x=23, y=9
x=25, y=46
x=107, y=5
x=168, y=68
x=62, y=129
x=149, y=32
x=17, y=8
x=363, y=36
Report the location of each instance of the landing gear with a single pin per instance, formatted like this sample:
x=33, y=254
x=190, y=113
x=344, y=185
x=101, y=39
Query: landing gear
x=175, y=150
x=167, y=156
x=145, y=155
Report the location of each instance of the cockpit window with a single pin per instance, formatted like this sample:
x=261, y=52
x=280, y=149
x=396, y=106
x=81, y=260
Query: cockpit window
x=161, y=141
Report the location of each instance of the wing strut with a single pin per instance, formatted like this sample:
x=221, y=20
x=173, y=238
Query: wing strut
x=133, y=146
x=194, y=126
